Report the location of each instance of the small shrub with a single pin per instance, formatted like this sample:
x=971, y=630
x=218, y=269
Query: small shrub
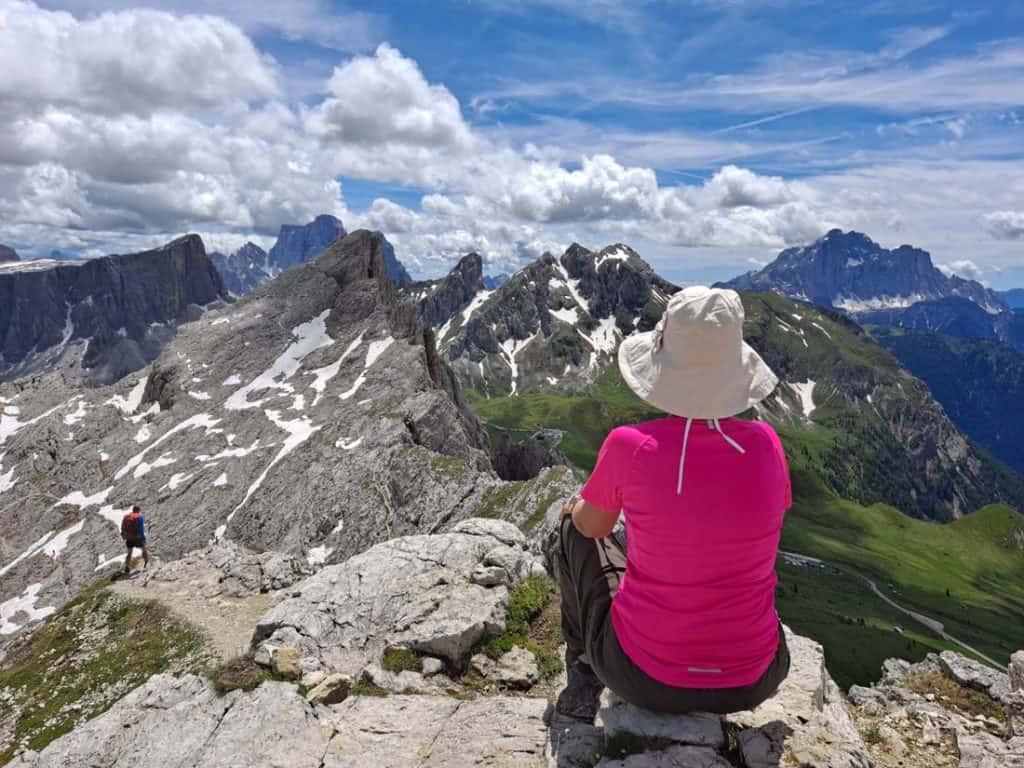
x=242, y=673
x=366, y=687
x=401, y=660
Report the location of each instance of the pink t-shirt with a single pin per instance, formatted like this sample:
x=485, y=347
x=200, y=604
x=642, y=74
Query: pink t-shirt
x=696, y=607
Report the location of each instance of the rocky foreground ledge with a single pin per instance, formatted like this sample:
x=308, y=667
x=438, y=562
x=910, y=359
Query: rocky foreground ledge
x=438, y=602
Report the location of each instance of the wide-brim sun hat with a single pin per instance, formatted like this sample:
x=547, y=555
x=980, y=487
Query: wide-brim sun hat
x=695, y=363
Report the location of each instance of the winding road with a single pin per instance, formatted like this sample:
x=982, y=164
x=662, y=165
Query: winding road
x=932, y=624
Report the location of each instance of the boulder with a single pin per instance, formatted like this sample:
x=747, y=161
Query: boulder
x=414, y=592
x=515, y=669
x=503, y=531
x=974, y=674
x=285, y=662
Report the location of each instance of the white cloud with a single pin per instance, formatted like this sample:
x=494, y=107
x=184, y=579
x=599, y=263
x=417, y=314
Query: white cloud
x=137, y=61
x=139, y=154
x=1006, y=225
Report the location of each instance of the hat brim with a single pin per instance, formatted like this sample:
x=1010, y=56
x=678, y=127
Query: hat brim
x=697, y=390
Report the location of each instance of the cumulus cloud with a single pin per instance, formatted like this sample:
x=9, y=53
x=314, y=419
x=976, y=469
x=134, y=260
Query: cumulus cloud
x=137, y=61
x=1006, y=225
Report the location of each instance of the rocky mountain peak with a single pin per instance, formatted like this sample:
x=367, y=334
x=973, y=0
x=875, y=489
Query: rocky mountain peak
x=851, y=272
x=8, y=254
x=297, y=244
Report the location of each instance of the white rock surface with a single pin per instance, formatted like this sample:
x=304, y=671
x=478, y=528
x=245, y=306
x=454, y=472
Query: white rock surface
x=414, y=592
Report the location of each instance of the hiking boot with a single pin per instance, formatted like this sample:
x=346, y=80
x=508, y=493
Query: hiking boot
x=581, y=697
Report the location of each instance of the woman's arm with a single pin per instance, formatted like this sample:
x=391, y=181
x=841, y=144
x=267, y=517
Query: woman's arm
x=593, y=522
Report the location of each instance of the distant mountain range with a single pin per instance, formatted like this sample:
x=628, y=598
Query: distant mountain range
x=250, y=266
x=102, y=317
x=850, y=272
x=8, y=254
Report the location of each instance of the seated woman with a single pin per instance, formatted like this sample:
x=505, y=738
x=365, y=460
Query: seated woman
x=687, y=622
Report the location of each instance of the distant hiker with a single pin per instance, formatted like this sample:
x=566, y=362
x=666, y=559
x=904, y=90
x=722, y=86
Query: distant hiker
x=133, y=531
x=687, y=622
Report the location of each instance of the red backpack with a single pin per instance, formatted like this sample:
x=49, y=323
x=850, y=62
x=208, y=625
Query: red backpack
x=130, y=527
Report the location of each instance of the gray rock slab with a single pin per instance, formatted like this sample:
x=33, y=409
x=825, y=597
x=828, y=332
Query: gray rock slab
x=698, y=729
x=438, y=732
x=676, y=756
x=974, y=674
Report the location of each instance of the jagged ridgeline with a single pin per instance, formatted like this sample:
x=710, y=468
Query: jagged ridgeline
x=314, y=417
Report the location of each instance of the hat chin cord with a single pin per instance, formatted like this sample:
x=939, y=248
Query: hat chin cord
x=713, y=424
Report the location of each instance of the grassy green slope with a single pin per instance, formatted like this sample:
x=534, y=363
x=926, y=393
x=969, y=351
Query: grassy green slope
x=968, y=574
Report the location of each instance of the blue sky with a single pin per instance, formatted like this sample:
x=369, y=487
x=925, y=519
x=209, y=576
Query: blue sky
x=708, y=134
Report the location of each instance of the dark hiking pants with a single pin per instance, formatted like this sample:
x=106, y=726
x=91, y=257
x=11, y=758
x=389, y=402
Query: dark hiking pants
x=589, y=571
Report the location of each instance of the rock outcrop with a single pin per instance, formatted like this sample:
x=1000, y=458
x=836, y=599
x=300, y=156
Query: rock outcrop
x=297, y=244
x=416, y=592
x=110, y=315
x=244, y=269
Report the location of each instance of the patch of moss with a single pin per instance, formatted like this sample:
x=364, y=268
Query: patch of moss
x=366, y=687
x=59, y=680
x=401, y=660
x=497, y=499
x=530, y=623
x=951, y=694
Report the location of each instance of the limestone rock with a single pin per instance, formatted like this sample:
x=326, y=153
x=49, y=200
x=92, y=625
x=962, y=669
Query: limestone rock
x=285, y=662
x=808, y=714
x=490, y=576
x=436, y=731
x=333, y=689
x=503, y=531
x=170, y=722
x=516, y=668
x=983, y=750
x=572, y=744
x=975, y=675
x=413, y=591
x=431, y=666
x=1017, y=671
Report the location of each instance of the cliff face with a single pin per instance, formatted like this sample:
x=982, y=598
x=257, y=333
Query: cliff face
x=242, y=270
x=298, y=244
x=8, y=254
x=125, y=307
